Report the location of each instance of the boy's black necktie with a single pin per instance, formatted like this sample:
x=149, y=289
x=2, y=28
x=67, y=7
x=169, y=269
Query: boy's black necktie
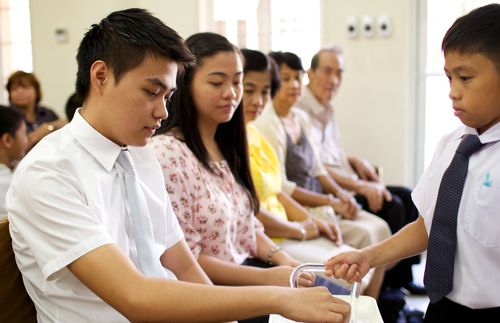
x=438, y=276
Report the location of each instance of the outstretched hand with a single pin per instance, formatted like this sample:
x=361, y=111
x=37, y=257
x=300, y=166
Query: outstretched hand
x=351, y=266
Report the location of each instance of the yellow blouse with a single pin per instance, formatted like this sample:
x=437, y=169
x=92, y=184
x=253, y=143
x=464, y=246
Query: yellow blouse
x=266, y=173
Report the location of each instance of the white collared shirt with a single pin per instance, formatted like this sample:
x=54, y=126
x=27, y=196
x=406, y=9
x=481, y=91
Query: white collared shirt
x=5, y=179
x=65, y=200
x=324, y=133
x=477, y=261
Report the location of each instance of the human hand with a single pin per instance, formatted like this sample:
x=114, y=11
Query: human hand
x=345, y=205
x=313, y=305
x=364, y=169
x=376, y=194
x=330, y=230
x=351, y=266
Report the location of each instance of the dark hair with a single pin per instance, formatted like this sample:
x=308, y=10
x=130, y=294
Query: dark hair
x=315, y=59
x=476, y=32
x=122, y=40
x=230, y=136
x=10, y=120
x=258, y=61
x=289, y=59
x=24, y=79
x=74, y=102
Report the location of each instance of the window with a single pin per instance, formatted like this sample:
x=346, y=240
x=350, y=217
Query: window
x=15, y=40
x=265, y=25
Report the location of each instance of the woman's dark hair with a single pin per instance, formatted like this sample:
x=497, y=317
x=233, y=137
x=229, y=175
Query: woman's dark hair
x=283, y=58
x=122, y=40
x=10, y=120
x=259, y=62
x=24, y=79
x=230, y=136
x=476, y=32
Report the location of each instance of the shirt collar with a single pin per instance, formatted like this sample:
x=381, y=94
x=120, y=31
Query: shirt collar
x=101, y=148
x=490, y=135
x=314, y=106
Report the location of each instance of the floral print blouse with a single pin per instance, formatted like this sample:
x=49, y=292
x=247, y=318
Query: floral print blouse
x=214, y=210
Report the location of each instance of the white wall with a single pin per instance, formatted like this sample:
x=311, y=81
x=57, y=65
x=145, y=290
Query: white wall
x=55, y=64
x=376, y=101
x=375, y=104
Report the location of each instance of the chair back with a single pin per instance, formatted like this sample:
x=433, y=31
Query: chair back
x=15, y=304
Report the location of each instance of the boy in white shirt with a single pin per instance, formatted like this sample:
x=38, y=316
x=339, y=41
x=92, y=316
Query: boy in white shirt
x=93, y=232
x=458, y=195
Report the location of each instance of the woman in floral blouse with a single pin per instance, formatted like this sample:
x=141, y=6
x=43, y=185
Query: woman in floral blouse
x=203, y=153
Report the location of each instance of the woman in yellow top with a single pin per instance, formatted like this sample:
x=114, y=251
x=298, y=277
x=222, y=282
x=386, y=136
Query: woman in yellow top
x=306, y=238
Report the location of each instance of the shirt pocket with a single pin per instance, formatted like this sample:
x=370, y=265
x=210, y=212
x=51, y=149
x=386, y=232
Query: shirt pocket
x=483, y=220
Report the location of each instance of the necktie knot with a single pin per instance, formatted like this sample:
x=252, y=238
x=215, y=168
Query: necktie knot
x=469, y=145
x=125, y=160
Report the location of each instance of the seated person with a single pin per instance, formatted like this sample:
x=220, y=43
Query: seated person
x=353, y=173
x=25, y=94
x=102, y=244
x=201, y=150
x=13, y=145
x=303, y=177
x=304, y=237
x=72, y=104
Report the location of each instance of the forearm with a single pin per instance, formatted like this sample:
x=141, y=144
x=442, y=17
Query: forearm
x=345, y=181
x=294, y=211
x=278, y=228
x=329, y=184
x=174, y=301
x=407, y=242
x=310, y=198
x=227, y=273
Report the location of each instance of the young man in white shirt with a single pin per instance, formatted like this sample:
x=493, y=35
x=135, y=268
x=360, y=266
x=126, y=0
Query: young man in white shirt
x=72, y=220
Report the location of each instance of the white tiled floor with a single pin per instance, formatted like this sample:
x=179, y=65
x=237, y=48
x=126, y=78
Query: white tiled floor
x=419, y=302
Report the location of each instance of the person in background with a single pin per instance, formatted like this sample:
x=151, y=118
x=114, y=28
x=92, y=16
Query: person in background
x=72, y=104
x=25, y=94
x=13, y=146
x=458, y=194
x=303, y=236
x=353, y=173
x=303, y=176
x=93, y=232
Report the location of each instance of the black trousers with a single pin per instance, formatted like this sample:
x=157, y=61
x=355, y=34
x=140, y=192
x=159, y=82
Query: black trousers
x=447, y=311
x=397, y=213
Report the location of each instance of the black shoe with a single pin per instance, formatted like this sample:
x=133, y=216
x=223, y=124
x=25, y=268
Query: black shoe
x=415, y=289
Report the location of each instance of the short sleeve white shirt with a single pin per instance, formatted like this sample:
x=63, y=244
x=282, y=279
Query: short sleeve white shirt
x=477, y=261
x=65, y=200
x=5, y=179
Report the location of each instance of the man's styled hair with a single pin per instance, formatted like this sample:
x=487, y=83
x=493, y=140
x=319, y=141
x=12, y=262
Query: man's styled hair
x=476, y=32
x=11, y=120
x=122, y=40
x=230, y=136
x=24, y=79
x=332, y=49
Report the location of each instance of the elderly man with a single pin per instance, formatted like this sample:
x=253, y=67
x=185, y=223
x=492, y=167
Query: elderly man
x=355, y=174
